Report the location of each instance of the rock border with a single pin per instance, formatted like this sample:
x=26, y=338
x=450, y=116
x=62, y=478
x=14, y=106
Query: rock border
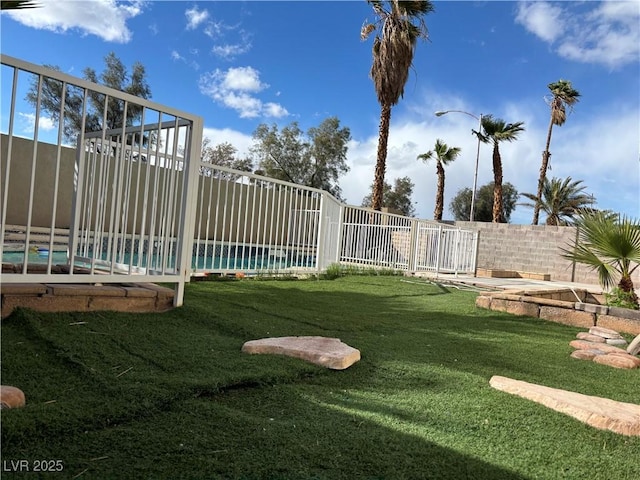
x=566, y=306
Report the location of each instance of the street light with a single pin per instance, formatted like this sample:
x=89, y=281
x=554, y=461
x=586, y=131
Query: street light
x=475, y=174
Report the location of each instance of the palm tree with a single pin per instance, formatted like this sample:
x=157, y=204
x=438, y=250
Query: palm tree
x=495, y=130
x=563, y=96
x=398, y=27
x=17, y=4
x=609, y=245
x=444, y=155
x=561, y=200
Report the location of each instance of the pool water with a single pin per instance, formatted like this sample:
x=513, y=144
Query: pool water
x=256, y=262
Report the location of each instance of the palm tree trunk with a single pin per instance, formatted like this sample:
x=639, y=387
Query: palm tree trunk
x=383, y=138
x=497, y=185
x=543, y=173
x=437, y=213
x=626, y=285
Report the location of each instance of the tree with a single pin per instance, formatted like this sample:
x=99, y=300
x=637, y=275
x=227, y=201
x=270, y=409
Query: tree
x=561, y=200
x=563, y=96
x=224, y=155
x=18, y=4
x=316, y=159
x=397, y=198
x=460, y=205
x=494, y=131
x=115, y=76
x=444, y=155
x=611, y=246
x=398, y=27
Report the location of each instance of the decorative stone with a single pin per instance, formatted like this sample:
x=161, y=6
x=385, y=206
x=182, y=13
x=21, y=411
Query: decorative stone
x=323, y=351
x=604, y=332
x=601, y=413
x=618, y=342
x=11, y=397
x=586, y=354
x=634, y=346
x=633, y=358
x=590, y=338
x=616, y=361
x=584, y=345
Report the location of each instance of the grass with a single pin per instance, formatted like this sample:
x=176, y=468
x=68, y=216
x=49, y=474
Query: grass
x=171, y=395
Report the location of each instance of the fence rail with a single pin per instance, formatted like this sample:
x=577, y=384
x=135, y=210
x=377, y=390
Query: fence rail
x=129, y=198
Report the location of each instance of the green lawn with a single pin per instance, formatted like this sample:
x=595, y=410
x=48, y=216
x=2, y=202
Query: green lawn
x=171, y=395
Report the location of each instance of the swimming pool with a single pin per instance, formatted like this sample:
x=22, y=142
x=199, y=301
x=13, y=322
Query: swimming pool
x=246, y=260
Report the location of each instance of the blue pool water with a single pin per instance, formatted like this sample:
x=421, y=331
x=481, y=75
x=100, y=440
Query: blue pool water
x=256, y=262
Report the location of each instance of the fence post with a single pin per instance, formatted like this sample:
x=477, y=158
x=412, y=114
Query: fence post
x=321, y=242
x=439, y=254
x=186, y=231
x=414, y=231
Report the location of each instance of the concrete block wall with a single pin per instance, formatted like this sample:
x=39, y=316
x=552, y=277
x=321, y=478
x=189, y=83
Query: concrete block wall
x=531, y=248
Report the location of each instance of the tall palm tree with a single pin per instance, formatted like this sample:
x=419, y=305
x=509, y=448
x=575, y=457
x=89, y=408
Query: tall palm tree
x=609, y=245
x=494, y=131
x=398, y=27
x=444, y=155
x=561, y=200
x=563, y=95
x=16, y=4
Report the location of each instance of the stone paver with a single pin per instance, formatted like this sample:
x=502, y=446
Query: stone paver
x=601, y=413
x=323, y=351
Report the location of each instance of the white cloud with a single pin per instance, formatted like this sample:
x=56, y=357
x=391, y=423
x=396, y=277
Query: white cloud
x=28, y=121
x=195, y=17
x=236, y=88
x=105, y=19
x=177, y=57
x=229, y=51
x=542, y=19
x=606, y=33
x=274, y=110
x=242, y=78
x=217, y=29
x=241, y=141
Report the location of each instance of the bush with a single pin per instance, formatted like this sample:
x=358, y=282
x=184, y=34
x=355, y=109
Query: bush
x=619, y=298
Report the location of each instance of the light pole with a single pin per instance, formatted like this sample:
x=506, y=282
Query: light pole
x=475, y=174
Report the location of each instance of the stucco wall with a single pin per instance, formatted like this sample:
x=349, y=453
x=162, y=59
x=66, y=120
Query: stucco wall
x=530, y=248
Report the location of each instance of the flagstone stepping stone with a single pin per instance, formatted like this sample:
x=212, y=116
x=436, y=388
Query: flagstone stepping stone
x=601, y=413
x=604, y=332
x=326, y=352
x=584, y=345
x=11, y=397
x=590, y=337
x=618, y=342
x=585, y=354
x=618, y=360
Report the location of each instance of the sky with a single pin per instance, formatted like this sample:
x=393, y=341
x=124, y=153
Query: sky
x=238, y=64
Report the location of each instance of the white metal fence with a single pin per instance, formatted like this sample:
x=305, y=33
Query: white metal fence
x=135, y=202
x=126, y=198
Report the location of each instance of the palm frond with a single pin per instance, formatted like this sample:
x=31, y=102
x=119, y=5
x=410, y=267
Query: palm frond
x=609, y=245
x=18, y=4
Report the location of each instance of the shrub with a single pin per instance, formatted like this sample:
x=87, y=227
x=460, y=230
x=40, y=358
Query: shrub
x=619, y=298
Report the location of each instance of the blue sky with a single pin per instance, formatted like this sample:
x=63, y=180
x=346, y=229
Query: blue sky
x=239, y=64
